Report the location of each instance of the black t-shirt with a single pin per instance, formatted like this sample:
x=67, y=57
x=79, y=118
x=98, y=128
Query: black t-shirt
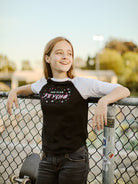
x=65, y=116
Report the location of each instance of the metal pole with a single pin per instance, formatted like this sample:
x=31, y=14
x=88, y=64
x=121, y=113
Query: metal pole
x=109, y=147
x=97, y=65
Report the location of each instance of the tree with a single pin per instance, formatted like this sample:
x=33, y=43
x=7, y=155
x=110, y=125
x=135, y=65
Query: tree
x=121, y=46
x=26, y=65
x=6, y=65
x=131, y=64
x=130, y=75
x=111, y=60
x=89, y=64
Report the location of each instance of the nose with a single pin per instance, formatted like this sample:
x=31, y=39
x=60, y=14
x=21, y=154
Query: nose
x=64, y=55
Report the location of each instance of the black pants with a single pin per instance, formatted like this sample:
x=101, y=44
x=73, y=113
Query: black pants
x=70, y=168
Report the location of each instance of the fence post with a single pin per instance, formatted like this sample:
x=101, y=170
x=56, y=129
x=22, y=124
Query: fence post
x=109, y=147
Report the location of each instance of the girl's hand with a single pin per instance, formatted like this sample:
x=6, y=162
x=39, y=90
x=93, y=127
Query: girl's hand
x=12, y=98
x=100, y=115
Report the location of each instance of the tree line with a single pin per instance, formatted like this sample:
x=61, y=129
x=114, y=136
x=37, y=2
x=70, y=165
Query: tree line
x=6, y=65
x=117, y=55
x=122, y=58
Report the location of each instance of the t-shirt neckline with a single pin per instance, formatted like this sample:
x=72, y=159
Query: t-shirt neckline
x=60, y=80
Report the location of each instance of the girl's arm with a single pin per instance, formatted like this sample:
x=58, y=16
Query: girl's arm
x=100, y=115
x=12, y=97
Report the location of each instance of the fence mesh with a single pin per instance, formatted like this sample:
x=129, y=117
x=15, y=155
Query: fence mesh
x=20, y=135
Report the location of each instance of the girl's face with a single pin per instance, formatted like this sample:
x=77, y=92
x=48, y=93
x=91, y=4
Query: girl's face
x=60, y=59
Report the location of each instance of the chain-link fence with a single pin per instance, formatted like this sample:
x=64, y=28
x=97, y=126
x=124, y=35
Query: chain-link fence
x=20, y=135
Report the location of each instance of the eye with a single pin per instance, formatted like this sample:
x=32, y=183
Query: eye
x=59, y=53
x=70, y=54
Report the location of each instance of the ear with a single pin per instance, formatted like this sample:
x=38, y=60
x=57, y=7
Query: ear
x=47, y=59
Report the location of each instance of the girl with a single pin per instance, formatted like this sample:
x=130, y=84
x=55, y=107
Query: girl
x=65, y=109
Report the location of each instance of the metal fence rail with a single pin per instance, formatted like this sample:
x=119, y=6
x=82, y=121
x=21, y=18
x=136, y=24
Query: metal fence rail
x=20, y=135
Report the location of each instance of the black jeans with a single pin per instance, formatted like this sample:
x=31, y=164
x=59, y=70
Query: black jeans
x=71, y=168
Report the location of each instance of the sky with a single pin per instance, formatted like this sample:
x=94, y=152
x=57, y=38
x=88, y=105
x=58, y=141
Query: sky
x=27, y=25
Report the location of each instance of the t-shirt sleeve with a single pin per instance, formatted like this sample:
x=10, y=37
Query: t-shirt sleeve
x=91, y=87
x=37, y=86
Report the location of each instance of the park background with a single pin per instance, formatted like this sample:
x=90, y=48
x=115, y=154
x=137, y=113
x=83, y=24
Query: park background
x=103, y=33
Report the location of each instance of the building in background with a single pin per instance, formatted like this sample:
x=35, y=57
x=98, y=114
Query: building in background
x=103, y=75
x=18, y=78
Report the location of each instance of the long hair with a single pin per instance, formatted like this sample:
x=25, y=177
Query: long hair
x=47, y=51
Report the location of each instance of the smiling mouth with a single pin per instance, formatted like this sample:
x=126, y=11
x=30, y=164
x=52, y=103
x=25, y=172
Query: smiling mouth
x=64, y=63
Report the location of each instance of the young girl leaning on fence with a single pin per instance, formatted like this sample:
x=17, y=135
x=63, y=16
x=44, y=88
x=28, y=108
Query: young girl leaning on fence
x=65, y=109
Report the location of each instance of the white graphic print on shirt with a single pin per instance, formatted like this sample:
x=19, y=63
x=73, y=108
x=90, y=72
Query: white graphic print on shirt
x=56, y=95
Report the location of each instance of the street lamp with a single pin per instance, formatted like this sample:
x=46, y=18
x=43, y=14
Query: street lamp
x=98, y=38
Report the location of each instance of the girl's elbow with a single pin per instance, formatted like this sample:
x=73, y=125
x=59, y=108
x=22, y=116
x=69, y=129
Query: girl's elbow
x=127, y=91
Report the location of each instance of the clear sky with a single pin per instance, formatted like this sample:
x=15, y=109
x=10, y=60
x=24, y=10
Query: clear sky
x=27, y=25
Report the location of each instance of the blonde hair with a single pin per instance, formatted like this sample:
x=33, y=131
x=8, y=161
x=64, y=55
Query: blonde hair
x=47, y=51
